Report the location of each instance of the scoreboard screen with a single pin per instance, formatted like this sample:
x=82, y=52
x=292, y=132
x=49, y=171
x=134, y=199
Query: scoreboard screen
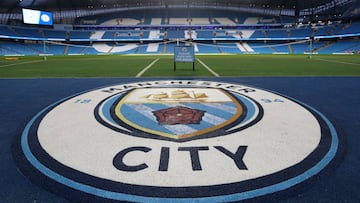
x=36, y=17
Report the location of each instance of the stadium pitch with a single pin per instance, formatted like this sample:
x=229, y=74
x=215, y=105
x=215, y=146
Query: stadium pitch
x=129, y=128
x=162, y=66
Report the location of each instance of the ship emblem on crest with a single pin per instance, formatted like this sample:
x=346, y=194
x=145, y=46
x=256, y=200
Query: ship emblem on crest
x=178, y=113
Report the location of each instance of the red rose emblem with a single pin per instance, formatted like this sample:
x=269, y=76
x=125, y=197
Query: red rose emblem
x=178, y=115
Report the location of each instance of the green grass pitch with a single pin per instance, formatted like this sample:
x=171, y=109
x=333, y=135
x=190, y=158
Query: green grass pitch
x=162, y=66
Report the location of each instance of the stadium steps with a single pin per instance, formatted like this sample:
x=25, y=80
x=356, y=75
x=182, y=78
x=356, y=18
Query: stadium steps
x=247, y=47
x=326, y=45
x=272, y=48
x=244, y=47
x=83, y=50
x=290, y=49
x=66, y=50
x=240, y=47
x=111, y=49
x=164, y=49
x=218, y=48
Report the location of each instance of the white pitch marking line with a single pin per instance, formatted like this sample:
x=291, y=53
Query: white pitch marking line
x=342, y=62
x=208, y=68
x=147, y=68
x=21, y=63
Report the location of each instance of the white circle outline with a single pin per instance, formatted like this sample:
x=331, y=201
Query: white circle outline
x=130, y=197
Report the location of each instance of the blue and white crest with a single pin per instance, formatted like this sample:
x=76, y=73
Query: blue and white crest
x=176, y=141
x=179, y=113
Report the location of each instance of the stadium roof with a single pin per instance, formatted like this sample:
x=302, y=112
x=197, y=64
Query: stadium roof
x=68, y=10
x=66, y=4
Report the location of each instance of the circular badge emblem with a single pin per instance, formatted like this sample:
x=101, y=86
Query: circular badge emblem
x=45, y=18
x=177, y=141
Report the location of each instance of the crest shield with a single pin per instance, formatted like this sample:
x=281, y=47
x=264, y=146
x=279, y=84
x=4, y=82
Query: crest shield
x=178, y=113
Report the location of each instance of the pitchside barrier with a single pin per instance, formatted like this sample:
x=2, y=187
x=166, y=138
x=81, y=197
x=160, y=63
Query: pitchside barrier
x=184, y=54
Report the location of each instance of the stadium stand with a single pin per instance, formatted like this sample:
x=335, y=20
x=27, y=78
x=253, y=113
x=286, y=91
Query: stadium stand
x=5, y=31
x=54, y=34
x=216, y=30
x=343, y=47
x=79, y=35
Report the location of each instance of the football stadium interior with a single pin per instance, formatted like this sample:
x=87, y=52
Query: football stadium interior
x=155, y=26
x=89, y=75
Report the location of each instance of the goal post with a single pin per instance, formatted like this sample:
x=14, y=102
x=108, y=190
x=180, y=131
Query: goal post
x=184, y=54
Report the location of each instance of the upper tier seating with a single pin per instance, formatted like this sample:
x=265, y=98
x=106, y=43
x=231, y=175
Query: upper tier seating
x=254, y=39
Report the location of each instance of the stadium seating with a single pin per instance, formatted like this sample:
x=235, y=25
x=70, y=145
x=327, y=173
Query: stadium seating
x=302, y=32
x=79, y=35
x=350, y=28
x=12, y=48
x=6, y=31
x=28, y=32
x=150, y=41
x=231, y=48
x=9, y=49
x=75, y=50
x=54, y=34
x=277, y=33
x=261, y=47
x=207, y=48
x=342, y=46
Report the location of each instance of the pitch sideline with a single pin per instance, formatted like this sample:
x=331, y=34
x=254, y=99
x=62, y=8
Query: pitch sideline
x=208, y=68
x=147, y=68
